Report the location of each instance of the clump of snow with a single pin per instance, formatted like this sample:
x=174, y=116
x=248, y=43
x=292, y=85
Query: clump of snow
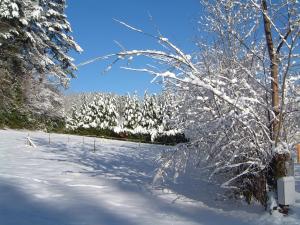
x=281, y=148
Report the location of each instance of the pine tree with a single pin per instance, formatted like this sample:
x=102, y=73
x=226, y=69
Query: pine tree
x=38, y=33
x=132, y=115
x=152, y=112
x=109, y=112
x=83, y=116
x=168, y=108
x=34, y=43
x=73, y=120
x=102, y=112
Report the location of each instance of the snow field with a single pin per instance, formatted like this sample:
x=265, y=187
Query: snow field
x=67, y=183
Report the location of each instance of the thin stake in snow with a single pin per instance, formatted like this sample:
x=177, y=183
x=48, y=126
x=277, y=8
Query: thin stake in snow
x=49, y=139
x=94, y=145
x=27, y=143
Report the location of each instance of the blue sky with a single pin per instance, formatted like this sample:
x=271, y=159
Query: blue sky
x=95, y=30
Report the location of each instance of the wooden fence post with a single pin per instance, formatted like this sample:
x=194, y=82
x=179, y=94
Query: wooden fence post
x=298, y=152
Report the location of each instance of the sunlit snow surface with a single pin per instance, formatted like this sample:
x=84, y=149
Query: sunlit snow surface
x=67, y=183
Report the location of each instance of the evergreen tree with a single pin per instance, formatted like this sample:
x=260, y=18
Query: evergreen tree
x=73, y=119
x=168, y=107
x=37, y=32
x=109, y=111
x=152, y=112
x=100, y=113
x=34, y=42
x=83, y=117
x=132, y=115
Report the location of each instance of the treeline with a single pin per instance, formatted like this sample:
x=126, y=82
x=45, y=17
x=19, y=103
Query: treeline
x=146, y=120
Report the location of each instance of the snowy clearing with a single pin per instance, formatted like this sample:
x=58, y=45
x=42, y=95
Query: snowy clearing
x=67, y=183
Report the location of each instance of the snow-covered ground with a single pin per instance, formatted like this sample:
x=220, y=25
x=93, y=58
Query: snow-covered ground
x=66, y=182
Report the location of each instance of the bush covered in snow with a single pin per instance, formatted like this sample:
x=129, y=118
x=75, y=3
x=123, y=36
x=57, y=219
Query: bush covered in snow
x=238, y=96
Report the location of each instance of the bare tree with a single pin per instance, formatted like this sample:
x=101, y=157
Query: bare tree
x=235, y=96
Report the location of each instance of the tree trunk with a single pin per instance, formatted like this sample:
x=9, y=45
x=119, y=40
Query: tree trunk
x=278, y=161
x=273, y=69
